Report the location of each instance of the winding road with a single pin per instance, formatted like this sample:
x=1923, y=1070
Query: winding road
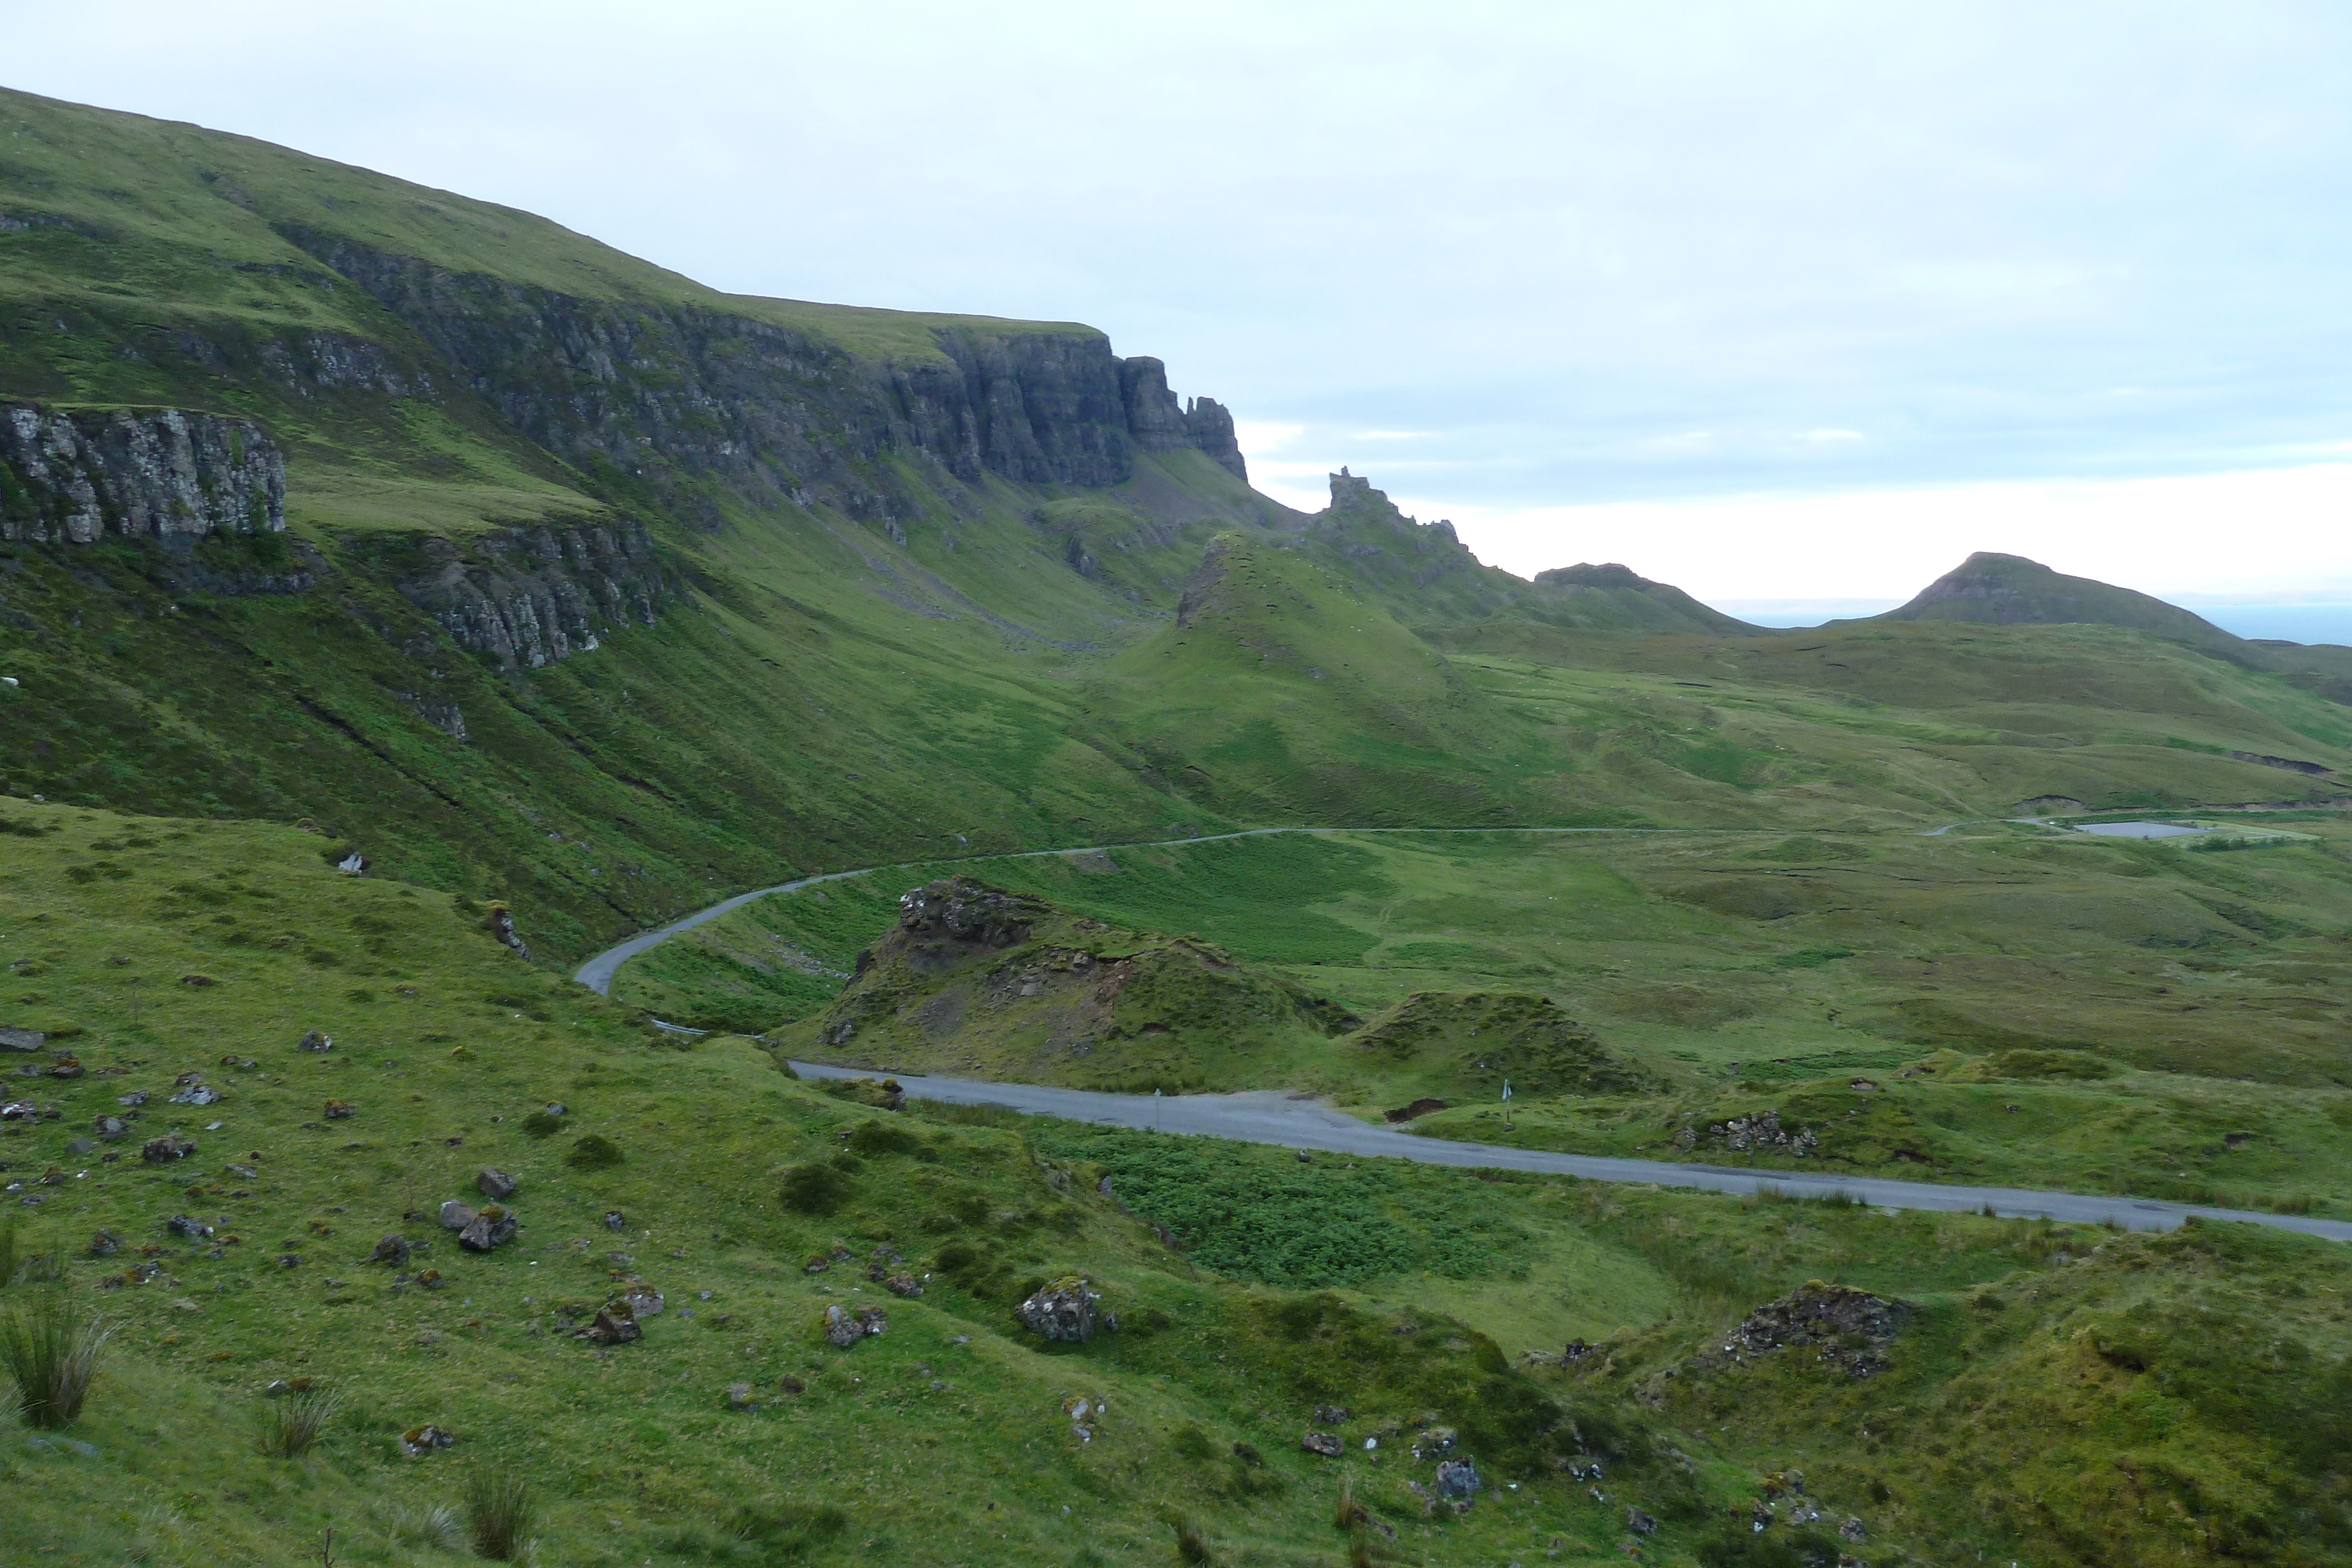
x=1294, y=1122
x=1290, y=1121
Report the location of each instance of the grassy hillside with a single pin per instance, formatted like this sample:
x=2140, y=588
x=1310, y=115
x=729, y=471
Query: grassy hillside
x=1299, y=1285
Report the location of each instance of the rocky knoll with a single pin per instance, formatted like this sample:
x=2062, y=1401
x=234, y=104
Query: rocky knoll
x=79, y=475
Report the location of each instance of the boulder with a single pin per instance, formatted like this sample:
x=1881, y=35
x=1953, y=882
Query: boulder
x=110, y=1128
x=456, y=1215
x=1327, y=1444
x=614, y=1324
x=105, y=1244
x=1332, y=1415
x=739, y=1398
x=491, y=1228
x=197, y=1093
x=1433, y=1444
x=316, y=1040
x=496, y=1185
x=184, y=1226
x=615, y=1220
x=170, y=1146
x=418, y=1441
x=133, y=1100
x=844, y=1328
x=1640, y=1524
x=903, y=1285
x=391, y=1249
x=1457, y=1480
x=1064, y=1311
x=27, y=1040
x=339, y=1110
x=643, y=1299
x=66, y=1067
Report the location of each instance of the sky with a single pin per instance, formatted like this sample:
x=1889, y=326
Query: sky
x=1788, y=303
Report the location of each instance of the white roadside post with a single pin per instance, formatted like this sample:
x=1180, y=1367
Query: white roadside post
x=1507, y=1104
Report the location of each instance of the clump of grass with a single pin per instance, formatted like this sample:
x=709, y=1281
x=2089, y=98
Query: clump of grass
x=593, y=1153
x=1350, y=1512
x=498, y=1513
x=292, y=1426
x=434, y=1529
x=7, y=1249
x=1192, y=1547
x=51, y=1356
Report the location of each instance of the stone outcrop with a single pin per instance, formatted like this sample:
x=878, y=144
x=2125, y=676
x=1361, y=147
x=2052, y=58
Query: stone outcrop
x=1848, y=1329
x=1160, y=423
x=678, y=396
x=84, y=475
x=533, y=597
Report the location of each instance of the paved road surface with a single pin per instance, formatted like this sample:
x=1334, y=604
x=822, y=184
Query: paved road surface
x=597, y=973
x=1275, y=1116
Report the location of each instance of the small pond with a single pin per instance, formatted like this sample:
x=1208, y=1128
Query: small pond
x=2136, y=830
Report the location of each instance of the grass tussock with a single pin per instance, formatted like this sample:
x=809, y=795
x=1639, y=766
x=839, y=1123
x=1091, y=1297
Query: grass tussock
x=499, y=1511
x=51, y=1355
x=291, y=1427
x=433, y=1529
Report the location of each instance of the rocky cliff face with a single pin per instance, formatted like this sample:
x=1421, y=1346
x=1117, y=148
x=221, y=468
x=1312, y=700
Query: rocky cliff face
x=1364, y=525
x=79, y=475
x=676, y=396
x=533, y=597
x=1160, y=423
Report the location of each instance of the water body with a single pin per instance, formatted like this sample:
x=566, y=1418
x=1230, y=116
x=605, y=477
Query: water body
x=2136, y=830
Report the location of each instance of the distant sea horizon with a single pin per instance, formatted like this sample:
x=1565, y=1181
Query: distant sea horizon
x=2291, y=622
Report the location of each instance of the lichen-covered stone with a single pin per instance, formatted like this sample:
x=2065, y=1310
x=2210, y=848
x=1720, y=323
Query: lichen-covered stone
x=1066, y=1310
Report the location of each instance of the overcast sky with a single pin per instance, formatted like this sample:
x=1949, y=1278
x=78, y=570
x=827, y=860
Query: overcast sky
x=1777, y=300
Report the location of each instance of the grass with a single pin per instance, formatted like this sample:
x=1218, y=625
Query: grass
x=499, y=1514
x=291, y=1426
x=51, y=1354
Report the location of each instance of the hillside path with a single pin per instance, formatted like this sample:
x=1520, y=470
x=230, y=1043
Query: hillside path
x=1294, y=1122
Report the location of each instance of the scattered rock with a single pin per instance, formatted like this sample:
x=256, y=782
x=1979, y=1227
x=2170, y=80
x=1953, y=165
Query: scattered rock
x=1418, y=1108
x=81, y=1146
x=1331, y=1414
x=1761, y=1131
x=110, y=1128
x=491, y=1228
x=199, y=981
x=170, y=1146
x=643, y=1301
x=1066, y=1310
x=1640, y=1524
x=391, y=1249
x=133, y=1100
x=503, y=927
x=615, y=1220
x=316, y=1040
x=65, y=1067
x=418, y=1441
x=496, y=1185
x=1327, y=1444
x=290, y=1260
x=457, y=1216
x=1851, y=1529
x=614, y=1324
x=792, y=1384
x=182, y=1225
x=339, y=1110
x=1434, y=1444
x=1457, y=1480
x=182, y=1304
x=739, y=1398
x=197, y=1092
x=25, y=1040
x=903, y=1285
x=1852, y=1328
x=845, y=1328
x=105, y=1244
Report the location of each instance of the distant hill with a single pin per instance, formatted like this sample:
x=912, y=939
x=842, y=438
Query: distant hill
x=1995, y=590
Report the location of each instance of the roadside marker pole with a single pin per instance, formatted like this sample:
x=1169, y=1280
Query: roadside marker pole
x=1507, y=1104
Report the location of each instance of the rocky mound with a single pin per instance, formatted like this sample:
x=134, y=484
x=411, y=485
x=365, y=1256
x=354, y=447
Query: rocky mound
x=2011, y=591
x=979, y=979
x=1845, y=1328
